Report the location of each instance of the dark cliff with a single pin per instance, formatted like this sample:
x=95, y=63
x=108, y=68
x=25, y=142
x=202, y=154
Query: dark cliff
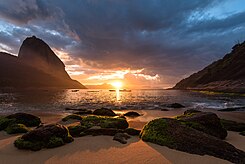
x=227, y=74
x=36, y=66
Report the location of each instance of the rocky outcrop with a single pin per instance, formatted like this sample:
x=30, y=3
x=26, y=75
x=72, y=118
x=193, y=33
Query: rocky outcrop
x=48, y=136
x=173, y=134
x=25, y=118
x=227, y=74
x=36, y=66
x=206, y=122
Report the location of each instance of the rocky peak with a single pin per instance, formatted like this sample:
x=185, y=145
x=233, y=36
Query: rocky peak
x=227, y=74
x=35, y=52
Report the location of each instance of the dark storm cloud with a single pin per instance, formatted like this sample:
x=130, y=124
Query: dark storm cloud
x=169, y=38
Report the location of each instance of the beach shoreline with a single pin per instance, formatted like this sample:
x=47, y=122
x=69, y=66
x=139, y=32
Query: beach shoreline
x=102, y=149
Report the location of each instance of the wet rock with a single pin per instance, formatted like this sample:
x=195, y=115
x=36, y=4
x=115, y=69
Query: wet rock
x=171, y=133
x=23, y=118
x=175, y=105
x=4, y=122
x=132, y=131
x=104, y=122
x=77, y=131
x=104, y=112
x=121, y=137
x=72, y=117
x=16, y=128
x=233, y=125
x=206, y=122
x=132, y=114
x=48, y=136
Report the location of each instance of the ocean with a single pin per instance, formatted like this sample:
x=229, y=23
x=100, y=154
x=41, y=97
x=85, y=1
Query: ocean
x=57, y=100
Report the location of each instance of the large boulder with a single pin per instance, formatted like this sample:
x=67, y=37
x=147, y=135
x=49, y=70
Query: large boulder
x=101, y=125
x=104, y=112
x=175, y=135
x=48, y=136
x=23, y=118
x=206, y=122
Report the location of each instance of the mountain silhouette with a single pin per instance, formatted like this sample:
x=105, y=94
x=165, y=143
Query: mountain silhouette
x=36, y=66
x=227, y=74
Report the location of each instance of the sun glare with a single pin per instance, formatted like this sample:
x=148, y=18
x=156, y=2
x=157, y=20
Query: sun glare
x=117, y=84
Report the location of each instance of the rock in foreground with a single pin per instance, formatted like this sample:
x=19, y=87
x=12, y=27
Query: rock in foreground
x=206, y=122
x=173, y=134
x=16, y=128
x=24, y=118
x=48, y=136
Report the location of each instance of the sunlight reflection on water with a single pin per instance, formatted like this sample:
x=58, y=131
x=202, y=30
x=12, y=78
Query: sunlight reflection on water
x=58, y=100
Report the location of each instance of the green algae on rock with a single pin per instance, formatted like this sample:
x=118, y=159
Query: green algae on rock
x=16, y=128
x=48, y=136
x=171, y=133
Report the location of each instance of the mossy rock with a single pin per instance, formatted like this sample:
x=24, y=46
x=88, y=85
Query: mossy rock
x=72, y=117
x=28, y=120
x=29, y=145
x=233, y=125
x=132, y=131
x=76, y=131
x=16, y=128
x=104, y=112
x=173, y=134
x=48, y=136
x=55, y=142
x=4, y=122
x=242, y=133
x=206, y=122
x=104, y=122
x=156, y=131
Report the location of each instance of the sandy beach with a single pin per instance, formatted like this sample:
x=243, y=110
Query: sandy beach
x=102, y=149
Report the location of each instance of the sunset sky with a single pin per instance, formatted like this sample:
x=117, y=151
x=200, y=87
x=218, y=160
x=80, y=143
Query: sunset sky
x=143, y=43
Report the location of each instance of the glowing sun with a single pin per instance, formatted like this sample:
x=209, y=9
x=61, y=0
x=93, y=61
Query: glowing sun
x=117, y=84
